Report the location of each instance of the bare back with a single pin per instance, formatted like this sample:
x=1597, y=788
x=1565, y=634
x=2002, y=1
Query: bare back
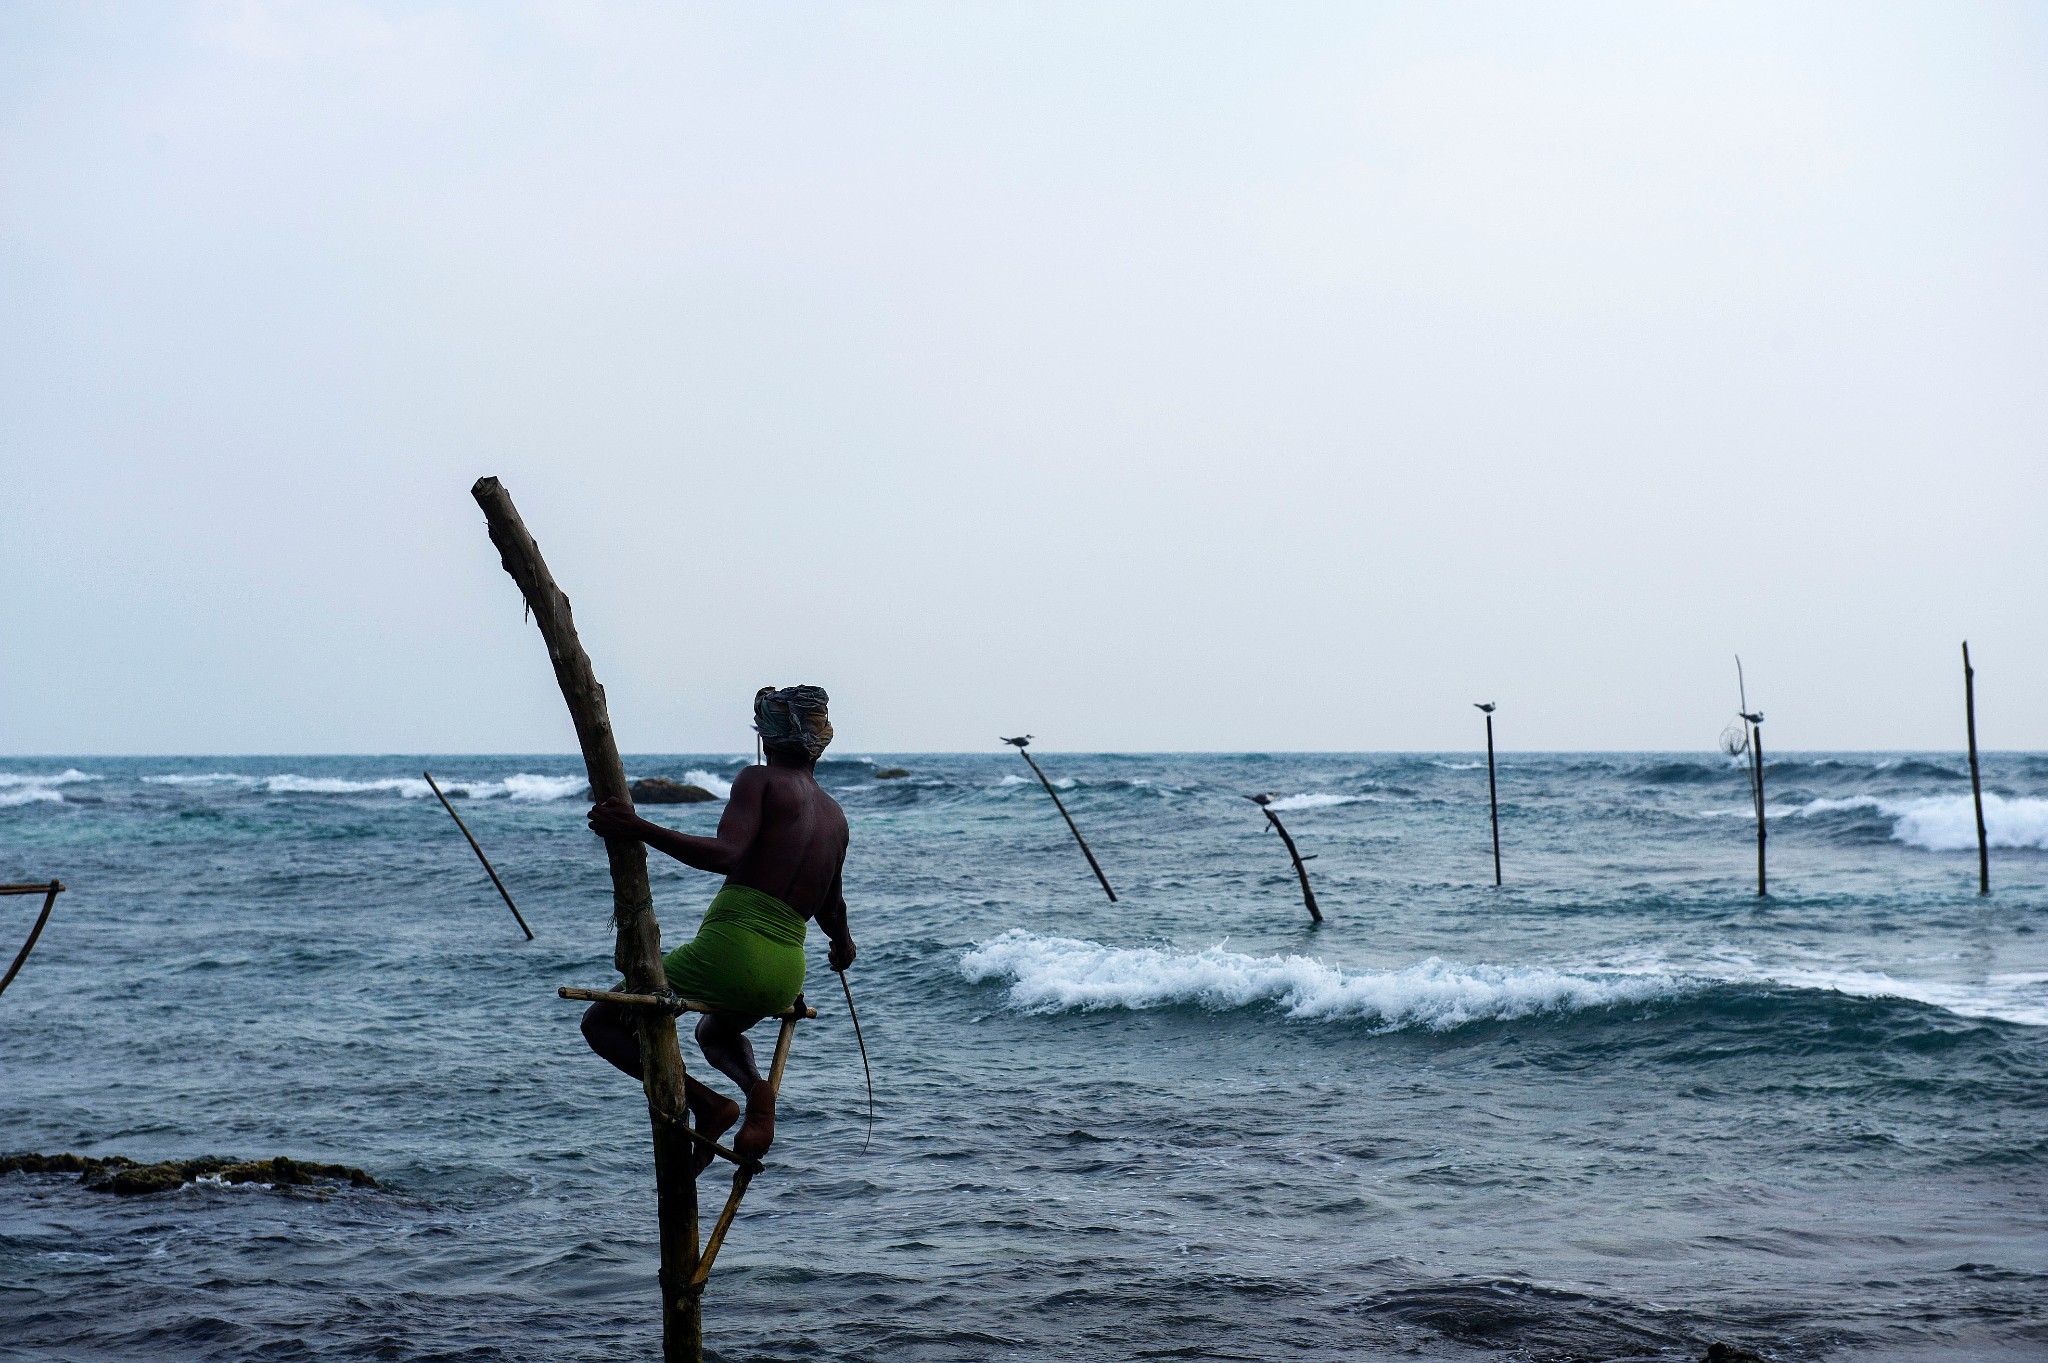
x=798, y=837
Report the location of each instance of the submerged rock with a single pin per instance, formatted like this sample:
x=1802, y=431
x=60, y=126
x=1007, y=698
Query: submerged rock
x=659, y=790
x=892, y=773
x=125, y=1177
x=1718, y=1352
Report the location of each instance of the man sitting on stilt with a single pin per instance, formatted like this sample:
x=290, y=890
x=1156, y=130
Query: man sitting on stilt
x=781, y=846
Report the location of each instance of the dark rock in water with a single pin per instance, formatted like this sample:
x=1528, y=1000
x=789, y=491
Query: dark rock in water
x=126, y=1178
x=659, y=790
x=891, y=774
x=1728, y=1353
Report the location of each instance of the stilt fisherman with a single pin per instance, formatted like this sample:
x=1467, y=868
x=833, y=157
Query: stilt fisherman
x=781, y=846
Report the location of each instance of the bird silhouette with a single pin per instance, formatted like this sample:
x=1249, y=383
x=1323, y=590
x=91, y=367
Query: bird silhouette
x=1485, y=705
x=1018, y=742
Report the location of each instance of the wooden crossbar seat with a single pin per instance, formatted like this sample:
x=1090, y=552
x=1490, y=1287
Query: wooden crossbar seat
x=668, y=1003
x=744, y=1169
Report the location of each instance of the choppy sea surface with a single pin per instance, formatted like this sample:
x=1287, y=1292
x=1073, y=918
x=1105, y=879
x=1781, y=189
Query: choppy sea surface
x=1616, y=1109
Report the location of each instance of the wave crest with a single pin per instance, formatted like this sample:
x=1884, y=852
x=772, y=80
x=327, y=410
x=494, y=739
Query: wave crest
x=1948, y=823
x=27, y=788
x=1057, y=974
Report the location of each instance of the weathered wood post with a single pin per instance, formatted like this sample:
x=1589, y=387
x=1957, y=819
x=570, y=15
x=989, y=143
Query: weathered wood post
x=489, y=869
x=1976, y=782
x=49, y=890
x=1093, y=865
x=1492, y=791
x=637, y=953
x=1308, y=896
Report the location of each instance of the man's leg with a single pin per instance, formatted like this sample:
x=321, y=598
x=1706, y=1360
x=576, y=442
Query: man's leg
x=723, y=1039
x=612, y=1033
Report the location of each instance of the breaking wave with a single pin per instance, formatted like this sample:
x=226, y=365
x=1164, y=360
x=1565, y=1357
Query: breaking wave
x=521, y=785
x=1063, y=974
x=1315, y=801
x=27, y=788
x=1057, y=974
x=717, y=785
x=1948, y=823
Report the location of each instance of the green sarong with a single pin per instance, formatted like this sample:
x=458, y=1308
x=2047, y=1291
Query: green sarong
x=747, y=956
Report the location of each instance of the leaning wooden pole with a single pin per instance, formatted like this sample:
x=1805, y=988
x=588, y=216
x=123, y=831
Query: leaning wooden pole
x=49, y=890
x=637, y=953
x=1308, y=896
x=1093, y=864
x=489, y=869
x=1976, y=781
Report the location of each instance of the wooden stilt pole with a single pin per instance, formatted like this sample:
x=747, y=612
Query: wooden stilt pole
x=489, y=869
x=1093, y=865
x=1976, y=781
x=1492, y=791
x=637, y=953
x=1308, y=896
x=49, y=890
x=1756, y=765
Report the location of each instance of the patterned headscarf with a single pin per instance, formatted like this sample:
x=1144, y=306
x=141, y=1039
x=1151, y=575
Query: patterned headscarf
x=793, y=716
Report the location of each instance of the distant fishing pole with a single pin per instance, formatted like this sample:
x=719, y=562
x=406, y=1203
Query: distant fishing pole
x=1308, y=896
x=489, y=870
x=1093, y=865
x=1492, y=793
x=1976, y=782
x=1749, y=737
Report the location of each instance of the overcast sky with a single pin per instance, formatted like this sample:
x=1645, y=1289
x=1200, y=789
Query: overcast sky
x=1145, y=376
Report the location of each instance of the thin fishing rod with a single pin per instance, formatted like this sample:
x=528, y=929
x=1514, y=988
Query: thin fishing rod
x=489, y=869
x=1093, y=864
x=865, y=1067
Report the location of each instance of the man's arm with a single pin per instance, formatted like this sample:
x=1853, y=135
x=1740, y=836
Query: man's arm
x=832, y=918
x=717, y=854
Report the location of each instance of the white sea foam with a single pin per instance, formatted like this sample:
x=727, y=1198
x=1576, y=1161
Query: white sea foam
x=1459, y=766
x=68, y=777
x=411, y=787
x=1315, y=801
x=1063, y=783
x=211, y=778
x=524, y=785
x=1055, y=974
x=717, y=785
x=2021, y=998
x=28, y=788
x=1948, y=823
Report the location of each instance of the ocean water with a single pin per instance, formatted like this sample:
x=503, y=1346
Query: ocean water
x=1614, y=1110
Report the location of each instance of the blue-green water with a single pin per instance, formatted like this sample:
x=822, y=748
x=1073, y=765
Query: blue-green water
x=1615, y=1109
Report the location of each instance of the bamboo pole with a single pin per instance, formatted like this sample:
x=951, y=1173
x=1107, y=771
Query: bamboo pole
x=489, y=869
x=1308, y=896
x=50, y=889
x=1976, y=781
x=743, y=1176
x=637, y=951
x=667, y=1002
x=1492, y=791
x=1093, y=865
x=1756, y=766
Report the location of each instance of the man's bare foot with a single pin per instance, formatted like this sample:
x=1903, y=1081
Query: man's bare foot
x=715, y=1116
x=758, y=1131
